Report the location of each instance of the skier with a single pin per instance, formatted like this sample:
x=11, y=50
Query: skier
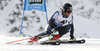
x=61, y=21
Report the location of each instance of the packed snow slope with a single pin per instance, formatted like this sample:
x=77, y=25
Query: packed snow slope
x=90, y=45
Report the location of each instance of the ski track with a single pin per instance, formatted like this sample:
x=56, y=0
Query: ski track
x=62, y=47
x=90, y=45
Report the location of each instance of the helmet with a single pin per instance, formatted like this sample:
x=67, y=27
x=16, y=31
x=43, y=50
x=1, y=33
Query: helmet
x=67, y=8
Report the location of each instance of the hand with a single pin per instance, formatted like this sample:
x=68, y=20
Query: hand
x=54, y=31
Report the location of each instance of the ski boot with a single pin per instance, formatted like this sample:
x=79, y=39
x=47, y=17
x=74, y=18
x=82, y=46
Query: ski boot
x=55, y=40
x=72, y=39
x=55, y=37
x=34, y=39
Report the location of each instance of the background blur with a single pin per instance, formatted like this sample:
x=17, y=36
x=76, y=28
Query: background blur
x=86, y=18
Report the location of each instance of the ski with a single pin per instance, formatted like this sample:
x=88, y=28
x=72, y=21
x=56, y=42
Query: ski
x=52, y=42
x=73, y=41
x=58, y=42
x=18, y=40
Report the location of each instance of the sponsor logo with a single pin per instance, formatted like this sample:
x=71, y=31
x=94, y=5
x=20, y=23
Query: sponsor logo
x=35, y=1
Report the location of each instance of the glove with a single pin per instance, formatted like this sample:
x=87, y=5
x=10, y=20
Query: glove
x=54, y=31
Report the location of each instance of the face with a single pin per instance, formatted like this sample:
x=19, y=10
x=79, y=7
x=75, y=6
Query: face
x=67, y=14
x=68, y=11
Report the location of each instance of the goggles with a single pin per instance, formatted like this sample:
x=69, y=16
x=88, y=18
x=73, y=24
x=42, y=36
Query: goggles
x=69, y=11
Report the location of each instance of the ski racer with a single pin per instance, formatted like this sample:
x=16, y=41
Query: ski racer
x=61, y=21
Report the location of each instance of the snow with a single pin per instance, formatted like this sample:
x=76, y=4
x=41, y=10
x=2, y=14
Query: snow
x=90, y=45
x=91, y=28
